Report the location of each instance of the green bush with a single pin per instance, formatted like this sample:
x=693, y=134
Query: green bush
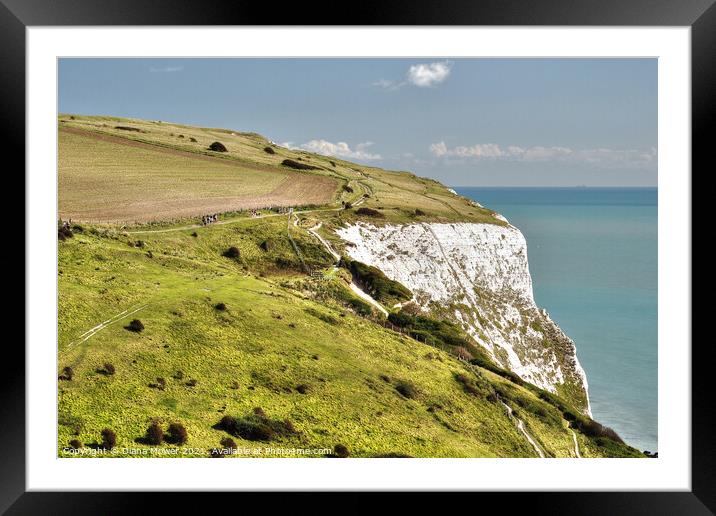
x=406, y=389
x=217, y=147
x=377, y=284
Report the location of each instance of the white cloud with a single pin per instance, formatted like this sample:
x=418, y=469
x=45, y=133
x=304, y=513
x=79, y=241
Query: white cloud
x=388, y=85
x=540, y=153
x=421, y=75
x=167, y=69
x=427, y=75
x=338, y=149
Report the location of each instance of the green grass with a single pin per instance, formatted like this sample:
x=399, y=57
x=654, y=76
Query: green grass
x=275, y=335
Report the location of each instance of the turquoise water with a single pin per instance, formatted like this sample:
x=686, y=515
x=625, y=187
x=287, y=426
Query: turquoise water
x=593, y=259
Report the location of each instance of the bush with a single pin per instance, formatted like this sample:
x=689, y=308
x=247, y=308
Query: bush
x=108, y=369
x=195, y=234
x=229, y=444
x=193, y=140
x=333, y=163
x=256, y=426
x=347, y=205
x=347, y=188
x=67, y=374
x=269, y=150
x=266, y=245
x=75, y=444
x=181, y=136
x=378, y=285
x=217, y=147
x=191, y=383
x=340, y=450
x=179, y=375
x=303, y=388
x=463, y=353
x=176, y=434
x=298, y=166
x=221, y=307
x=406, y=389
x=468, y=384
x=64, y=233
x=161, y=383
x=135, y=325
x=155, y=434
x=369, y=212
x=419, y=212
x=127, y=128
x=232, y=252
x=109, y=439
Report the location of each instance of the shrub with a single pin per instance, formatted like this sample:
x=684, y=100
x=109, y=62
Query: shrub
x=266, y=245
x=303, y=388
x=227, y=424
x=75, y=444
x=406, y=389
x=419, y=212
x=232, y=252
x=468, y=384
x=64, y=233
x=109, y=368
x=67, y=374
x=135, y=325
x=298, y=166
x=369, y=212
x=340, y=450
x=385, y=378
x=192, y=140
x=256, y=426
x=333, y=163
x=269, y=150
x=195, y=234
x=179, y=375
x=217, y=147
x=155, y=434
x=109, y=439
x=347, y=188
x=127, y=128
x=181, y=136
x=347, y=205
x=176, y=434
x=221, y=307
x=161, y=383
x=377, y=283
x=191, y=383
x=228, y=443
x=462, y=353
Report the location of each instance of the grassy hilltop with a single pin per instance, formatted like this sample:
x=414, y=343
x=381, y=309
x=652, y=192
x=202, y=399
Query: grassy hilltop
x=246, y=329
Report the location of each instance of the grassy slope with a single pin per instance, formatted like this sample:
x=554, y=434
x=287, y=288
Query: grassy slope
x=281, y=330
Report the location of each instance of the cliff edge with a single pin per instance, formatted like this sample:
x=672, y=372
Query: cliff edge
x=478, y=276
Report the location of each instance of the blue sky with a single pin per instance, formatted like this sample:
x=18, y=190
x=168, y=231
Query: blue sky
x=465, y=122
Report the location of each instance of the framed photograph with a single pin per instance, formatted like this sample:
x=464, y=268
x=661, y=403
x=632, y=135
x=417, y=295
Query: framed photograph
x=451, y=247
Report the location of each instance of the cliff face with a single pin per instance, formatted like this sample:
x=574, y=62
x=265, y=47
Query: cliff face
x=478, y=276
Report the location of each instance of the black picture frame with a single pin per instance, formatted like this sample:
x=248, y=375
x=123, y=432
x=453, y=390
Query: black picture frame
x=700, y=15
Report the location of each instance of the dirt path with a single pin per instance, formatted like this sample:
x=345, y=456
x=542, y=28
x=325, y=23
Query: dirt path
x=521, y=427
x=576, y=444
x=101, y=326
x=222, y=222
x=353, y=286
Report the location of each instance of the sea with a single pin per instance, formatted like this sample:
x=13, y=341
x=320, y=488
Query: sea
x=593, y=259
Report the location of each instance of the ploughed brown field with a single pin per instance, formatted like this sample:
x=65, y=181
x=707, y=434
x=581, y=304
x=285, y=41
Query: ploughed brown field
x=106, y=178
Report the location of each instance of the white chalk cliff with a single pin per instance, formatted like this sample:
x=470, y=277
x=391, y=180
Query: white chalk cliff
x=478, y=276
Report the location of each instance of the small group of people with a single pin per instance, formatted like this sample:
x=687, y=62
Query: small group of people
x=208, y=219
